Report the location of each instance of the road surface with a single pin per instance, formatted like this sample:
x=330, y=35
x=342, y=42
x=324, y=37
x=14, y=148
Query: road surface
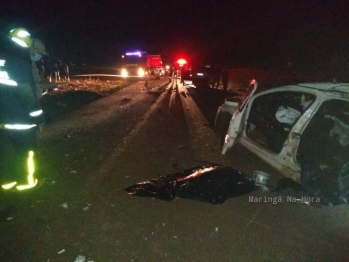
x=88, y=156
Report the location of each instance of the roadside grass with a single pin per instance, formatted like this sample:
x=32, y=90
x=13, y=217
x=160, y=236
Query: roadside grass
x=102, y=87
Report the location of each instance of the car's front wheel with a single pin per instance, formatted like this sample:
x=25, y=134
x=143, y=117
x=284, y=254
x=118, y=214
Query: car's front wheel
x=222, y=125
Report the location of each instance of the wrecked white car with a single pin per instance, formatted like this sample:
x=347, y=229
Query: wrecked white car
x=300, y=130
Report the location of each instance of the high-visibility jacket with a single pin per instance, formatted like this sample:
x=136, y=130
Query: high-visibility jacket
x=20, y=114
x=19, y=104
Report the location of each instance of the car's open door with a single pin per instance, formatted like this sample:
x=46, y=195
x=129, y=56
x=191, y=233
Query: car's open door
x=236, y=120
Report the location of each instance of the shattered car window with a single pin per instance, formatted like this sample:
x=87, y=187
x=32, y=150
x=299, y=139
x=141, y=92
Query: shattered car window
x=325, y=141
x=273, y=115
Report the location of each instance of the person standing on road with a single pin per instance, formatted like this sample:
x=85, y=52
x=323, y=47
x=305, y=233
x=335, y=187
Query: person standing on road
x=65, y=71
x=37, y=52
x=20, y=114
x=56, y=72
x=183, y=71
x=225, y=76
x=175, y=74
x=216, y=77
x=41, y=68
x=171, y=73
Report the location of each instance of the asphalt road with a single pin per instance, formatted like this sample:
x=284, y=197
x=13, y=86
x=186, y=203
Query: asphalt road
x=89, y=156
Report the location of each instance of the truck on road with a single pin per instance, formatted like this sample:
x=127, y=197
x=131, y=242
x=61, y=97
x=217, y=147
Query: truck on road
x=143, y=65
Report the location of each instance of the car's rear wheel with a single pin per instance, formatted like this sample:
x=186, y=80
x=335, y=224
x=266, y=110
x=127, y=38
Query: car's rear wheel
x=222, y=125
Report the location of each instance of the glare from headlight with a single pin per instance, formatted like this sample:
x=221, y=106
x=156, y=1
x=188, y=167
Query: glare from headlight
x=124, y=73
x=141, y=72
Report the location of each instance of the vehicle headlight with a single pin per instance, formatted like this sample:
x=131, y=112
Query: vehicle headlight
x=141, y=72
x=4, y=77
x=124, y=72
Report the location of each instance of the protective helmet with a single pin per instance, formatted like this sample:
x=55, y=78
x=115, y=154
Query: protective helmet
x=21, y=37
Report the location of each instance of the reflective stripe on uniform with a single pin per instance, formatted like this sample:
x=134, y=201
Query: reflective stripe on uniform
x=17, y=126
x=36, y=113
x=30, y=178
x=31, y=181
x=9, y=185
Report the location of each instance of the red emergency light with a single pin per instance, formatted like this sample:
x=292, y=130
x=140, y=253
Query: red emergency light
x=181, y=62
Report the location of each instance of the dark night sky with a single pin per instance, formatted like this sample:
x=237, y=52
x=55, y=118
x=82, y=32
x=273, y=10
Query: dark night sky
x=238, y=33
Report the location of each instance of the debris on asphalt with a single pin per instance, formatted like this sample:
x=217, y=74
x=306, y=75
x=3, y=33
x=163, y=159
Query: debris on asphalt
x=87, y=207
x=7, y=213
x=126, y=99
x=79, y=259
x=261, y=179
x=212, y=184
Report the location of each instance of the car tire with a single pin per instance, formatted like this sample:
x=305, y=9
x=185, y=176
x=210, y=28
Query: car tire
x=222, y=125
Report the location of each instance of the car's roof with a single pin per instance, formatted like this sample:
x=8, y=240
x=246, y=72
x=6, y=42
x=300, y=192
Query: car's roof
x=199, y=67
x=323, y=86
x=329, y=86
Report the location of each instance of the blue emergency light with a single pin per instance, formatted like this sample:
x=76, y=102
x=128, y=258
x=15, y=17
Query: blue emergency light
x=136, y=53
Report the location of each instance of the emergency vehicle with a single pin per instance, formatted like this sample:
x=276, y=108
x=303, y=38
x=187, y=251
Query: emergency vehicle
x=142, y=65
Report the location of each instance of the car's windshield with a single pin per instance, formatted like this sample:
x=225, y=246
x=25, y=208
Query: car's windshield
x=133, y=60
x=200, y=68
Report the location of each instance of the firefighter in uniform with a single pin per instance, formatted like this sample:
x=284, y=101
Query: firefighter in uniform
x=20, y=113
